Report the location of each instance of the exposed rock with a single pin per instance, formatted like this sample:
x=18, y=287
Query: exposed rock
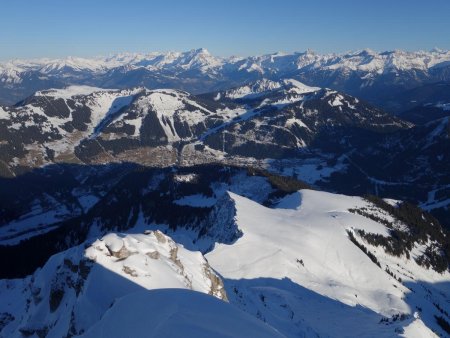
x=154, y=254
x=160, y=236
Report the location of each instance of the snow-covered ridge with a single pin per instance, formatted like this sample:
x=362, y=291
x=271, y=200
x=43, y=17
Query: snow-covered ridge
x=195, y=59
x=74, y=288
x=70, y=91
x=200, y=59
x=264, y=86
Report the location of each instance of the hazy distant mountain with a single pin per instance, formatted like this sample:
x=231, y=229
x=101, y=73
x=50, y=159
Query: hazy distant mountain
x=377, y=77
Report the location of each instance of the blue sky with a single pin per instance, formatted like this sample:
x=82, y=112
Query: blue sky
x=54, y=28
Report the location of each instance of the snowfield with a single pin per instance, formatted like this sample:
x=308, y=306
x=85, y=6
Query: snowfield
x=295, y=268
x=177, y=313
x=70, y=91
x=293, y=272
x=75, y=288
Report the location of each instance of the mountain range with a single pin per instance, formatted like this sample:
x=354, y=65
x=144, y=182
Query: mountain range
x=269, y=196
x=381, y=78
x=326, y=138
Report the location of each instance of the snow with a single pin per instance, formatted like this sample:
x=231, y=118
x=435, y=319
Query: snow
x=146, y=270
x=320, y=218
x=294, y=120
x=300, y=88
x=201, y=59
x=105, y=104
x=256, y=89
x=299, y=253
x=137, y=123
x=185, y=178
x=263, y=86
x=294, y=268
x=337, y=101
x=93, y=279
x=417, y=329
x=308, y=170
x=70, y=92
x=392, y=202
x=165, y=102
x=443, y=106
x=108, y=117
x=42, y=217
x=366, y=62
x=170, y=105
x=113, y=242
x=177, y=313
x=4, y=114
x=255, y=68
x=436, y=204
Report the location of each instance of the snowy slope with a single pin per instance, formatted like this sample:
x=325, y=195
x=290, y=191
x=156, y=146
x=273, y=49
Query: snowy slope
x=74, y=288
x=177, y=313
x=293, y=266
x=296, y=268
x=265, y=86
x=276, y=93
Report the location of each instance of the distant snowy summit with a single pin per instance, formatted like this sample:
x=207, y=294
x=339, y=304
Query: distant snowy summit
x=364, y=73
x=201, y=59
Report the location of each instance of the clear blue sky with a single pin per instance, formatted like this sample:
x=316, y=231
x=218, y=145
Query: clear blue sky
x=39, y=28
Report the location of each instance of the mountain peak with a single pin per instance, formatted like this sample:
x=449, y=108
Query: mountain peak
x=202, y=51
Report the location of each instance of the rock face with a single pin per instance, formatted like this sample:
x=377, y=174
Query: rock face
x=73, y=290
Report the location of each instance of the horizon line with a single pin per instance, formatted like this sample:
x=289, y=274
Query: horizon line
x=308, y=50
